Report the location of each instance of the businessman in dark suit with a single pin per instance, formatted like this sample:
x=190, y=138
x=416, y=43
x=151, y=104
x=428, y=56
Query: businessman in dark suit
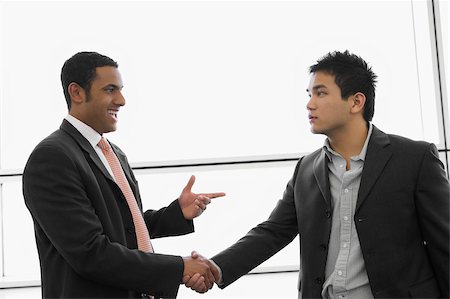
x=85, y=232
x=371, y=209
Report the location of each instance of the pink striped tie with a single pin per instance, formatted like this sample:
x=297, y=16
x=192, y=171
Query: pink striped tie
x=142, y=236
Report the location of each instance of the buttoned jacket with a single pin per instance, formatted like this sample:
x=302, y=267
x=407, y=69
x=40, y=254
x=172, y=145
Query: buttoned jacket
x=401, y=218
x=84, y=229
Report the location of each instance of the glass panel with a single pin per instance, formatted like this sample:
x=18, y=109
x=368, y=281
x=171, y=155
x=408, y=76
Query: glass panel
x=252, y=193
x=248, y=202
x=427, y=74
x=443, y=13
x=443, y=18
x=270, y=285
x=229, y=89
x=20, y=253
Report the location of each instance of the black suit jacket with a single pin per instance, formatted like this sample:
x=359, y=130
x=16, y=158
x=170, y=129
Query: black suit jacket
x=84, y=230
x=401, y=216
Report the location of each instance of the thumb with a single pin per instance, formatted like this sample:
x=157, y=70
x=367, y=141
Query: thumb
x=194, y=254
x=190, y=184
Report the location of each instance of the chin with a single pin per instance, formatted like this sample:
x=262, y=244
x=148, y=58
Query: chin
x=314, y=130
x=108, y=130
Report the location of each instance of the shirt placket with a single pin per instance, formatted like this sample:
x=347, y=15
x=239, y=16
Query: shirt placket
x=339, y=284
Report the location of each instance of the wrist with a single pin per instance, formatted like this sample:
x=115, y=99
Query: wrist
x=219, y=281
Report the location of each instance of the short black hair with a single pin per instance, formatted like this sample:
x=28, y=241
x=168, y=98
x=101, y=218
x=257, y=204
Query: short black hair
x=81, y=69
x=352, y=74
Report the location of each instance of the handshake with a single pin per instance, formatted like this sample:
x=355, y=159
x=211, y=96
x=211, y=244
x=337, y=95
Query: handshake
x=200, y=273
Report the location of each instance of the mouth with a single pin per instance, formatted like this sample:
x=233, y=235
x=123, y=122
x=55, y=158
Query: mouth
x=311, y=118
x=113, y=113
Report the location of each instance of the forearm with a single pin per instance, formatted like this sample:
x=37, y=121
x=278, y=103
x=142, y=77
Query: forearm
x=168, y=221
x=257, y=246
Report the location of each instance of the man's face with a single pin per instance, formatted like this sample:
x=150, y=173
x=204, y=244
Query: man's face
x=328, y=112
x=102, y=104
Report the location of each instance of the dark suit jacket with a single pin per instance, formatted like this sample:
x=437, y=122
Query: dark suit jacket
x=401, y=216
x=84, y=230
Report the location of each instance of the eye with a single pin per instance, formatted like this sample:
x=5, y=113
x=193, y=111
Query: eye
x=109, y=89
x=321, y=93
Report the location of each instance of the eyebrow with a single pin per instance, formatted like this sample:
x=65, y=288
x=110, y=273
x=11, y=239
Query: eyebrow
x=316, y=87
x=113, y=85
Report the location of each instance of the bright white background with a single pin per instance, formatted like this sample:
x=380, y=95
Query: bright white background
x=206, y=81
x=212, y=79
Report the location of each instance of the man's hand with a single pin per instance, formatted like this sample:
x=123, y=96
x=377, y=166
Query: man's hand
x=198, y=270
x=197, y=282
x=192, y=204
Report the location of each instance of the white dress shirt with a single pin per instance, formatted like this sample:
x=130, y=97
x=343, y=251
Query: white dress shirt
x=92, y=136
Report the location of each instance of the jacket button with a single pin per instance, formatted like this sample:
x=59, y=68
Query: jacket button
x=328, y=214
x=130, y=230
x=323, y=246
x=319, y=280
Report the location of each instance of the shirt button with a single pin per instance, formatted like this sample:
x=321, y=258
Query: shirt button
x=346, y=218
x=346, y=190
x=339, y=273
x=345, y=245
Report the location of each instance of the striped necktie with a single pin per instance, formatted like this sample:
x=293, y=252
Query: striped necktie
x=142, y=235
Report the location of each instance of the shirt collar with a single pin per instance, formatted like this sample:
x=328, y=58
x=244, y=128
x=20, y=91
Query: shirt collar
x=90, y=134
x=362, y=155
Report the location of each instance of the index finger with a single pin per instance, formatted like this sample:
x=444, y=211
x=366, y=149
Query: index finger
x=214, y=195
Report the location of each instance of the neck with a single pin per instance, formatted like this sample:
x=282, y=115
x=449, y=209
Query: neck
x=350, y=140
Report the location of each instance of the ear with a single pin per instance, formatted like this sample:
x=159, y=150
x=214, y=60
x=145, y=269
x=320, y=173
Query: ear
x=77, y=93
x=359, y=100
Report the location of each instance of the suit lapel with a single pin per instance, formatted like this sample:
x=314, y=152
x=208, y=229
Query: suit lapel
x=123, y=163
x=321, y=174
x=378, y=154
x=86, y=146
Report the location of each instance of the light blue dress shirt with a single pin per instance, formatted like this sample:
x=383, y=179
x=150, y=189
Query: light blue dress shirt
x=345, y=272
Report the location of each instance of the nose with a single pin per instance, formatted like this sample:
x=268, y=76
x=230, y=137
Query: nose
x=120, y=99
x=310, y=104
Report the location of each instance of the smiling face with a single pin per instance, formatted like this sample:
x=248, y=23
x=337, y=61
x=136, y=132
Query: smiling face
x=99, y=107
x=329, y=113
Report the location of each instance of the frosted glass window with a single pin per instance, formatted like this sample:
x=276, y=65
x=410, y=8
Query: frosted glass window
x=270, y=285
x=248, y=202
x=211, y=79
x=443, y=13
x=252, y=193
x=19, y=248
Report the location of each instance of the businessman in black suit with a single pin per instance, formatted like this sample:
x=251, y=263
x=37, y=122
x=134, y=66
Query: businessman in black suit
x=84, y=229
x=371, y=209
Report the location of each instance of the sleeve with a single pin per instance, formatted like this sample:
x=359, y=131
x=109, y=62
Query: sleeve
x=168, y=221
x=261, y=242
x=432, y=201
x=56, y=191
